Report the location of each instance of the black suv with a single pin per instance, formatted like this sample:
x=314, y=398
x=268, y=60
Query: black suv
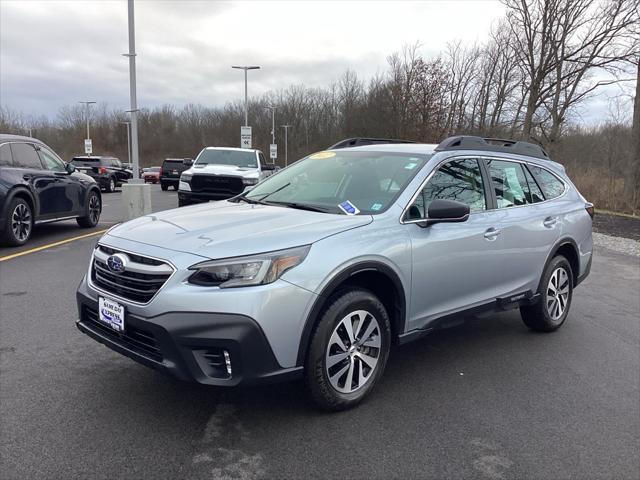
x=37, y=187
x=172, y=168
x=109, y=172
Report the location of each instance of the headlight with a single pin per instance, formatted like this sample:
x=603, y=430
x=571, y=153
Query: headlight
x=249, y=181
x=185, y=177
x=244, y=271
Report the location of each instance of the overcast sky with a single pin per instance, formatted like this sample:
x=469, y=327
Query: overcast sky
x=54, y=53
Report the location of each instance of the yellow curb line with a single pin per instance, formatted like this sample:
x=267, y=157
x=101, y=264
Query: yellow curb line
x=51, y=245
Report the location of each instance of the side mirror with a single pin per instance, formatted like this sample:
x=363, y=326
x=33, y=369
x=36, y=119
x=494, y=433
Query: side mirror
x=69, y=168
x=269, y=166
x=446, y=211
x=188, y=162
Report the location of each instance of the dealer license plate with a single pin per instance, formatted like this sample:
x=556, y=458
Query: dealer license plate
x=111, y=313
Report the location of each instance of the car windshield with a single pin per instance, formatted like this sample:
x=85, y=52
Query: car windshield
x=236, y=158
x=336, y=181
x=154, y=169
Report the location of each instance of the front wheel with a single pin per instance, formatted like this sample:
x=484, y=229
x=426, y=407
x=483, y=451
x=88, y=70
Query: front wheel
x=94, y=209
x=349, y=350
x=111, y=186
x=556, y=291
x=164, y=186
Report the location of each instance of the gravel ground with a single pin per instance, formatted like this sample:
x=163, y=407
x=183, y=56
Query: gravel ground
x=617, y=244
x=617, y=225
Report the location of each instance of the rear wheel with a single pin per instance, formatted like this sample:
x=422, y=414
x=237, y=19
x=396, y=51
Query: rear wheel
x=94, y=208
x=348, y=351
x=19, y=224
x=164, y=186
x=556, y=291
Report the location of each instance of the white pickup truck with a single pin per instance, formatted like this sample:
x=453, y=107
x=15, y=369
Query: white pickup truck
x=219, y=173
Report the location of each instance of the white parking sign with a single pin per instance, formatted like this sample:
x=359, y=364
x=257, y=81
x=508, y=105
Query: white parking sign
x=273, y=151
x=245, y=137
x=88, y=146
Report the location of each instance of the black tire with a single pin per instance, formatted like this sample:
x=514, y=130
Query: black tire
x=545, y=315
x=164, y=186
x=93, y=211
x=20, y=211
x=318, y=383
x=111, y=185
x=175, y=187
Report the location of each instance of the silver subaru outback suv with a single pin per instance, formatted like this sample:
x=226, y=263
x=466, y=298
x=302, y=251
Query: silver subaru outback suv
x=320, y=268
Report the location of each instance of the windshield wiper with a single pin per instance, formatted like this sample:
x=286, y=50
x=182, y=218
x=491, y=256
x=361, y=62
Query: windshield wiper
x=302, y=206
x=247, y=199
x=275, y=191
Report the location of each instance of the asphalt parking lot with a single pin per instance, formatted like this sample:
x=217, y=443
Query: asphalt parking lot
x=486, y=400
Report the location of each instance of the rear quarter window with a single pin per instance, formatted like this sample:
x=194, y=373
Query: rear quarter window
x=551, y=185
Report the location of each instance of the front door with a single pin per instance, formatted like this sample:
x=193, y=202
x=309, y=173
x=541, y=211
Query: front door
x=455, y=265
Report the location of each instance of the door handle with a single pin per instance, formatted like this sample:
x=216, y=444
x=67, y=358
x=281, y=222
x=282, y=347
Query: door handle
x=26, y=177
x=492, y=233
x=550, y=222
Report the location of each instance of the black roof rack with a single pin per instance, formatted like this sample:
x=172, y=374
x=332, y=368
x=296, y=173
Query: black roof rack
x=468, y=142
x=360, y=141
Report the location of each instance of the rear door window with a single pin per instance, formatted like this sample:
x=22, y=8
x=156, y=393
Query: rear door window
x=509, y=182
x=25, y=156
x=551, y=186
x=6, y=159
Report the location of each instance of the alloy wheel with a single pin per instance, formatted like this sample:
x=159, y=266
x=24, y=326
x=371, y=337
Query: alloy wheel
x=94, y=208
x=557, y=293
x=21, y=222
x=112, y=185
x=353, y=352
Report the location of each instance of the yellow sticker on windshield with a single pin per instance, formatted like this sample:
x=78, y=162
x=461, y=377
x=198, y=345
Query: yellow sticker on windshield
x=321, y=155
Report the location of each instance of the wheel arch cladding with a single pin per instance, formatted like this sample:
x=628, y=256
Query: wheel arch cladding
x=25, y=195
x=379, y=279
x=569, y=250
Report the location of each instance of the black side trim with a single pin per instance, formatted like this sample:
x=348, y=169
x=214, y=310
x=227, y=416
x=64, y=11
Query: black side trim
x=586, y=273
x=333, y=285
x=560, y=243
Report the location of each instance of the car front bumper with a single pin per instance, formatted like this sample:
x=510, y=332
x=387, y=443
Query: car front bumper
x=192, y=346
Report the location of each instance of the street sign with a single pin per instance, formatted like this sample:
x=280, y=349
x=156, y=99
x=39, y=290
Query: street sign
x=273, y=151
x=88, y=147
x=245, y=137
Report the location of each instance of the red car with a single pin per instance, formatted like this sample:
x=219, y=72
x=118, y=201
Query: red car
x=151, y=174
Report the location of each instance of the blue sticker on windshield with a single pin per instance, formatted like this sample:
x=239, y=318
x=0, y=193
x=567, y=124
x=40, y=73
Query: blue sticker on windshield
x=349, y=208
x=376, y=206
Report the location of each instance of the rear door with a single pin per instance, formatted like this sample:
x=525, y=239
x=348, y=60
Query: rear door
x=454, y=265
x=42, y=183
x=529, y=226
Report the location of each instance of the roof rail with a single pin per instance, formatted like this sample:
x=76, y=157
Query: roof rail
x=469, y=142
x=360, y=141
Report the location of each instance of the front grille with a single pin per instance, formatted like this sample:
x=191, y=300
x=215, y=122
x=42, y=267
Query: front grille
x=140, y=280
x=140, y=341
x=217, y=184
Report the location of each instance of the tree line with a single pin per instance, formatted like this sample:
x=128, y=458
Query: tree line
x=528, y=80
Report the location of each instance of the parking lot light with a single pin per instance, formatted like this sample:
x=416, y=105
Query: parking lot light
x=246, y=108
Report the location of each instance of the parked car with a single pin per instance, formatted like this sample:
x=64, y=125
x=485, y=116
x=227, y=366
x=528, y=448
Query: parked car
x=36, y=187
x=319, y=269
x=151, y=174
x=219, y=173
x=108, y=172
x=172, y=168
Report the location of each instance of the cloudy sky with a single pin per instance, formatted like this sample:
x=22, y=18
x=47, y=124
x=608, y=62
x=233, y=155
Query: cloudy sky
x=54, y=53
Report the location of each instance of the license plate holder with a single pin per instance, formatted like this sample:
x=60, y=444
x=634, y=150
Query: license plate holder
x=111, y=313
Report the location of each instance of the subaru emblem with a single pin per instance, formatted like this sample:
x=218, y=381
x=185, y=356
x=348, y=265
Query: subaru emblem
x=117, y=263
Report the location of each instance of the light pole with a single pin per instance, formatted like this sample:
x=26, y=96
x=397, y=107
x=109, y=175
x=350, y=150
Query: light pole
x=273, y=122
x=86, y=104
x=128, y=124
x=132, y=92
x=286, y=144
x=246, y=104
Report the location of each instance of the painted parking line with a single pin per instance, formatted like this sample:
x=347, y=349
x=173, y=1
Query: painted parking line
x=51, y=245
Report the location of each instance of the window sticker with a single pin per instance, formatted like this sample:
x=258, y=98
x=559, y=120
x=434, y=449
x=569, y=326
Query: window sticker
x=322, y=155
x=376, y=206
x=410, y=166
x=349, y=208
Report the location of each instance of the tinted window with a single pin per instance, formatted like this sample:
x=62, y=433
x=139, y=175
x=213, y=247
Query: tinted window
x=25, y=156
x=509, y=182
x=6, y=160
x=551, y=186
x=262, y=159
x=458, y=180
x=50, y=161
x=534, y=189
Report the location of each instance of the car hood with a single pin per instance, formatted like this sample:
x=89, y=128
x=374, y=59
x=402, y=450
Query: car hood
x=227, y=229
x=223, y=170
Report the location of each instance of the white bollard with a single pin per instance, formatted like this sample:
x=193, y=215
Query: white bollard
x=137, y=199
